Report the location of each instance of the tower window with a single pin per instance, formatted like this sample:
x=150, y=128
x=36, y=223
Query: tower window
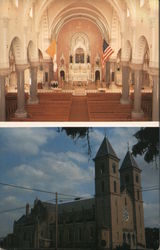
x=102, y=169
x=102, y=186
x=129, y=238
x=114, y=168
x=125, y=201
x=137, y=194
x=137, y=180
x=115, y=187
x=124, y=237
x=80, y=234
x=126, y=178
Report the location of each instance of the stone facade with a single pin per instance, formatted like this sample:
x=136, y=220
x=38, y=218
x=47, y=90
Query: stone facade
x=112, y=217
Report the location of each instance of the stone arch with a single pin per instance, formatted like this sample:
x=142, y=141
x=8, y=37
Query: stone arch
x=142, y=46
x=32, y=52
x=16, y=47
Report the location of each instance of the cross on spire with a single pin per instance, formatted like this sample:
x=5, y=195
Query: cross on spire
x=128, y=145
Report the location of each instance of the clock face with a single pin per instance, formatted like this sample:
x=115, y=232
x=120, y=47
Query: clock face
x=125, y=214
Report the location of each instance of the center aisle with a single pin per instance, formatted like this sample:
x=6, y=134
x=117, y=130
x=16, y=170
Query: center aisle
x=79, y=109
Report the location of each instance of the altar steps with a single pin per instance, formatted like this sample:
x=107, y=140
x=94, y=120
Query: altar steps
x=79, y=110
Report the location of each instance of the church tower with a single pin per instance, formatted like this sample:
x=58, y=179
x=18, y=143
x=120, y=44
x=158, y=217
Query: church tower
x=130, y=178
x=107, y=197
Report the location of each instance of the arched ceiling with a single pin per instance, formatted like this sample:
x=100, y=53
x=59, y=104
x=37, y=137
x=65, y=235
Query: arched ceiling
x=77, y=11
x=72, y=9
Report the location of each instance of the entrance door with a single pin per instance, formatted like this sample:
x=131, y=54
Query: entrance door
x=62, y=75
x=97, y=75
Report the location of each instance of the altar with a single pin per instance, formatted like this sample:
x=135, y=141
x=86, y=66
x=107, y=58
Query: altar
x=80, y=72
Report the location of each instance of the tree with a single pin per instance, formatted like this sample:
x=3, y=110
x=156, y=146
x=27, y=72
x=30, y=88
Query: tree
x=78, y=132
x=148, y=143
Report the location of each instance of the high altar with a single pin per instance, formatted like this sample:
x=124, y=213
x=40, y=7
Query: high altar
x=79, y=68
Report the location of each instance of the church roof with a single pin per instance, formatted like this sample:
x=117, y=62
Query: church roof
x=77, y=205
x=105, y=149
x=129, y=161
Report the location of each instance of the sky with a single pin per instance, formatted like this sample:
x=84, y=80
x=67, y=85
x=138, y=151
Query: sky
x=43, y=158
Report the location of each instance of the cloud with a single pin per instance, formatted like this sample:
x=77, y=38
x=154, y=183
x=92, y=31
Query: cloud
x=54, y=171
x=25, y=140
x=151, y=213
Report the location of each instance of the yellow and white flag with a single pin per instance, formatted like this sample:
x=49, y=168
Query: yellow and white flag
x=51, y=51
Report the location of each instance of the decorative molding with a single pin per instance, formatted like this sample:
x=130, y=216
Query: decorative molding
x=22, y=67
x=5, y=72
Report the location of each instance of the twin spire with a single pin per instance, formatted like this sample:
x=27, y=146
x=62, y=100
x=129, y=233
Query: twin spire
x=106, y=149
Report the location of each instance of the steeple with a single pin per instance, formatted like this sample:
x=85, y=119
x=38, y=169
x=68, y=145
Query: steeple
x=129, y=162
x=105, y=149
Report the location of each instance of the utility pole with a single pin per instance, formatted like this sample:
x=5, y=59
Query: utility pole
x=56, y=221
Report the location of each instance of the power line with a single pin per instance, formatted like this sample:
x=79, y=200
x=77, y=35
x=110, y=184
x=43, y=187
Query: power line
x=35, y=189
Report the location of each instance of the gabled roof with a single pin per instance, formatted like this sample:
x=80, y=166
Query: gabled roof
x=129, y=161
x=105, y=149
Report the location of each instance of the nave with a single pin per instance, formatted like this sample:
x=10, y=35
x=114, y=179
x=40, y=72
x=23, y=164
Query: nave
x=94, y=107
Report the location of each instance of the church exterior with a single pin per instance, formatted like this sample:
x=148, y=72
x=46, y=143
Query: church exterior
x=113, y=217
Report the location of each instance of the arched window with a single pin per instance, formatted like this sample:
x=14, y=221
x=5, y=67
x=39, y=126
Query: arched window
x=102, y=169
x=71, y=59
x=102, y=186
x=125, y=201
x=31, y=13
x=141, y=3
x=133, y=239
x=129, y=238
x=91, y=233
x=137, y=194
x=128, y=13
x=114, y=168
x=80, y=234
x=124, y=237
x=16, y=3
x=115, y=187
x=137, y=180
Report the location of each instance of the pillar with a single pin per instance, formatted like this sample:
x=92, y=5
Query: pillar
x=20, y=112
x=108, y=72
x=2, y=99
x=137, y=112
x=155, y=94
x=3, y=74
x=33, y=99
x=125, y=83
x=112, y=74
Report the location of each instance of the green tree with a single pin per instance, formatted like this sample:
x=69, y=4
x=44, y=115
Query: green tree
x=148, y=143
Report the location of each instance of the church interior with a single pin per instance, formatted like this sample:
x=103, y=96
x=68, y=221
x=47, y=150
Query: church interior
x=73, y=84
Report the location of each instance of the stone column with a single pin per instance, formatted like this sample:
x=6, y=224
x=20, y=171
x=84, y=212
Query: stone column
x=155, y=94
x=20, y=112
x=137, y=112
x=3, y=74
x=125, y=83
x=112, y=74
x=108, y=72
x=48, y=68
x=33, y=99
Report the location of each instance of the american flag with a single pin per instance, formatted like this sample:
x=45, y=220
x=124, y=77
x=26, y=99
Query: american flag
x=107, y=52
